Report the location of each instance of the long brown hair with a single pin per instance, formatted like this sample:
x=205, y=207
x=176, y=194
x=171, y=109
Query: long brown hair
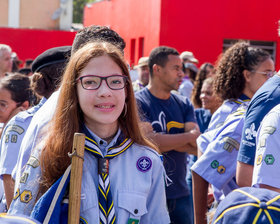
x=68, y=116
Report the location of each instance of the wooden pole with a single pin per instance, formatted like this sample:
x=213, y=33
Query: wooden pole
x=76, y=178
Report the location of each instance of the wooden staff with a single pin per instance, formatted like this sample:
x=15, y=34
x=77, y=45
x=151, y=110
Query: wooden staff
x=76, y=178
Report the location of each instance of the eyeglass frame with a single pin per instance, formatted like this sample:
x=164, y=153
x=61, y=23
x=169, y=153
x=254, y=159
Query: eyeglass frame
x=266, y=73
x=102, y=78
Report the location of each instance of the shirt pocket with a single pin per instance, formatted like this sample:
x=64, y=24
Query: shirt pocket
x=132, y=205
x=89, y=198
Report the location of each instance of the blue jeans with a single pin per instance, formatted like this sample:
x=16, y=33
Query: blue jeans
x=179, y=210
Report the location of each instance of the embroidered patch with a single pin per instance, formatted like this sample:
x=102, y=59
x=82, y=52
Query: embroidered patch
x=269, y=130
x=6, y=138
x=24, y=177
x=34, y=162
x=144, y=164
x=14, y=139
x=269, y=159
x=230, y=144
x=16, y=194
x=83, y=220
x=259, y=159
x=221, y=169
x=16, y=129
x=26, y=196
x=133, y=221
x=214, y=164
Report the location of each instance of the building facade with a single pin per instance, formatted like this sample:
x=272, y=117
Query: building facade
x=204, y=27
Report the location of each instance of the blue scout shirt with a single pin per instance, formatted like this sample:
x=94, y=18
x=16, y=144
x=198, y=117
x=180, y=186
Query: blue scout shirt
x=12, y=137
x=262, y=102
x=267, y=166
x=132, y=188
x=169, y=117
x=217, y=165
x=218, y=119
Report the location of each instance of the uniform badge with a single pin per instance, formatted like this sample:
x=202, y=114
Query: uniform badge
x=23, y=178
x=26, y=196
x=16, y=129
x=144, y=164
x=230, y=144
x=214, y=164
x=259, y=159
x=133, y=221
x=14, y=139
x=34, y=162
x=269, y=159
x=221, y=169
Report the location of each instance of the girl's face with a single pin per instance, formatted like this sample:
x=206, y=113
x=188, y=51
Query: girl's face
x=103, y=106
x=208, y=99
x=7, y=105
x=259, y=76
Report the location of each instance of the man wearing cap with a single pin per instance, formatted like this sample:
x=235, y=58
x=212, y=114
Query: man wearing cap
x=48, y=68
x=143, y=74
x=187, y=56
x=6, y=62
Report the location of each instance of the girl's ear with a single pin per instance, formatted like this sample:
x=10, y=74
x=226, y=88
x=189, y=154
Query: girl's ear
x=25, y=105
x=247, y=75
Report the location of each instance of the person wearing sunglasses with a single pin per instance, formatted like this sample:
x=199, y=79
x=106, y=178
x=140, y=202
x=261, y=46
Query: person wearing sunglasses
x=123, y=176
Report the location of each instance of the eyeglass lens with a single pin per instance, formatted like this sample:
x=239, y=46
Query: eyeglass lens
x=94, y=82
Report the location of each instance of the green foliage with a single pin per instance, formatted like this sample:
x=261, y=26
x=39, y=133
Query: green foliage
x=78, y=10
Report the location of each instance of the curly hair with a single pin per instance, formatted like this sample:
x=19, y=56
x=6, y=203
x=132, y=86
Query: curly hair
x=200, y=77
x=230, y=81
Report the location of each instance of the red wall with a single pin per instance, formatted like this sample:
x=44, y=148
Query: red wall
x=201, y=26
x=198, y=26
x=133, y=20
x=29, y=43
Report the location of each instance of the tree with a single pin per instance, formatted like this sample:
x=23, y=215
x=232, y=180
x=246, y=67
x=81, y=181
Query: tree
x=78, y=10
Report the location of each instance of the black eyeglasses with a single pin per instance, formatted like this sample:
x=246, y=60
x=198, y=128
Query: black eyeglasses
x=93, y=82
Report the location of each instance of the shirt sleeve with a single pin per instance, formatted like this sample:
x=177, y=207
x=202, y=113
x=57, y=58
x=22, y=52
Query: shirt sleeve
x=217, y=165
x=267, y=166
x=10, y=145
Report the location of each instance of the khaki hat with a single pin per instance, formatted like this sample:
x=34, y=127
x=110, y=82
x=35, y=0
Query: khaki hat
x=143, y=61
x=189, y=56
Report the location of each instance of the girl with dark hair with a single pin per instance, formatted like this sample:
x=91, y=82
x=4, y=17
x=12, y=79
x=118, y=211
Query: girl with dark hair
x=96, y=98
x=15, y=95
x=205, y=71
x=241, y=71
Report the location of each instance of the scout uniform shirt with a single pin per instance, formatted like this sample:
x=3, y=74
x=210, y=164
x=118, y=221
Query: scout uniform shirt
x=137, y=188
x=267, y=166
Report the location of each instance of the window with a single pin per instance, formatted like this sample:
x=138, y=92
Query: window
x=265, y=45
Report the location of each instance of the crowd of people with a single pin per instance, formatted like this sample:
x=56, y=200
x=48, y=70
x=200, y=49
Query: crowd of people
x=182, y=144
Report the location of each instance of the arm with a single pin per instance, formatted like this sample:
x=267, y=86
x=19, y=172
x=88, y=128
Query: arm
x=8, y=183
x=183, y=142
x=270, y=187
x=200, y=189
x=244, y=174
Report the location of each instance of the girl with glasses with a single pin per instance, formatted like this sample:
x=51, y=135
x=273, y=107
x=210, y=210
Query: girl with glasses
x=123, y=176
